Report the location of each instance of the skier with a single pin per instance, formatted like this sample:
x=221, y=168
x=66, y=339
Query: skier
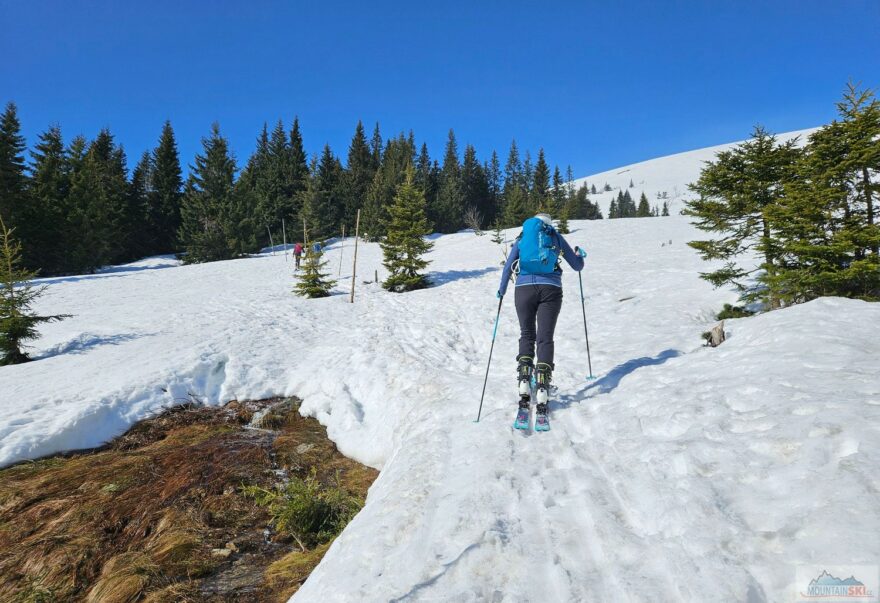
x=534, y=258
x=297, y=254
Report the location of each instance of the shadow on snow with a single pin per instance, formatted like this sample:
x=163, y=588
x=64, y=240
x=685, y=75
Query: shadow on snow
x=109, y=272
x=86, y=342
x=441, y=278
x=609, y=382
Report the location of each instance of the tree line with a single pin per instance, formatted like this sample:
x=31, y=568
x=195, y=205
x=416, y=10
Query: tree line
x=75, y=207
x=623, y=206
x=809, y=213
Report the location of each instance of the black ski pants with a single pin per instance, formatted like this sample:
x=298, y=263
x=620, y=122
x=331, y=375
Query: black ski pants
x=537, y=304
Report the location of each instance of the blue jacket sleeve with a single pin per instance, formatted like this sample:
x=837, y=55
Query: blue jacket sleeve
x=508, y=268
x=573, y=259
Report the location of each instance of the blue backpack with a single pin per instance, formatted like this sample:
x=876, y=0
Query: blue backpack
x=538, y=251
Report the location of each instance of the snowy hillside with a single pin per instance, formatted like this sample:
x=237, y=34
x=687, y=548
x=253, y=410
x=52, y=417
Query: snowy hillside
x=667, y=176
x=682, y=473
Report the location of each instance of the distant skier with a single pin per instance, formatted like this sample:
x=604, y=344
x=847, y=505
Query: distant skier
x=535, y=258
x=297, y=254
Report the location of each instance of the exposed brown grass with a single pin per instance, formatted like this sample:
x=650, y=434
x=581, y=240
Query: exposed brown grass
x=143, y=518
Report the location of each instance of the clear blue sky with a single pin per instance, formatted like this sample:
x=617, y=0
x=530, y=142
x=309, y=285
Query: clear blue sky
x=597, y=84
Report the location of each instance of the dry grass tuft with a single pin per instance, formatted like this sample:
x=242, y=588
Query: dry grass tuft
x=137, y=519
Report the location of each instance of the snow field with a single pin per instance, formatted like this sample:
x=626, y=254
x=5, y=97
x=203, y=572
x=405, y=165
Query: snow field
x=681, y=474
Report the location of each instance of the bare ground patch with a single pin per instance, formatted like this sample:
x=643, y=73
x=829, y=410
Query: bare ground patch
x=161, y=513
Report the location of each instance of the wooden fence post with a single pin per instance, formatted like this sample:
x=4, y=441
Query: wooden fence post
x=357, y=225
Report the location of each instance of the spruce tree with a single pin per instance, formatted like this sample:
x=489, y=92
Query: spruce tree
x=18, y=323
x=513, y=170
x=13, y=180
x=100, y=219
x=373, y=217
x=665, y=211
x=528, y=178
x=569, y=183
x=396, y=157
x=493, y=180
x=281, y=182
x=427, y=178
x=517, y=208
x=376, y=147
x=299, y=167
x=735, y=192
x=450, y=197
x=253, y=185
x=626, y=206
x=405, y=244
x=540, y=194
x=593, y=189
x=557, y=193
x=644, y=210
x=824, y=223
x=209, y=215
x=324, y=200
x=358, y=175
x=577, y=203
x=140, y=193
x=44, y=224
x=74, y=258
x=562, y=225
x=313, y=281
x=164, y=201
x=475, y=187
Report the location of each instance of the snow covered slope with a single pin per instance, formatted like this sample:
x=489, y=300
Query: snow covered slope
x=682, y=473
x=668, y=175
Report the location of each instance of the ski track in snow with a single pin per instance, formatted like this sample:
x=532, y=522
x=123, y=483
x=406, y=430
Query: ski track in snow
x=680, y=474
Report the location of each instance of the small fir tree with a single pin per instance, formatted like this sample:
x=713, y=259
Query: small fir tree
x=497, y=234
x=644, y=210
x=405, y=244
x=517, y=210
x=562, y=225
x=612, y=210
x=314, y=281
x=17, y=322
x=665, y=211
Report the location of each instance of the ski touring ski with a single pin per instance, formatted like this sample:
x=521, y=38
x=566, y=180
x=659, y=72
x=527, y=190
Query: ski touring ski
x=542, y=421
x=523, y=418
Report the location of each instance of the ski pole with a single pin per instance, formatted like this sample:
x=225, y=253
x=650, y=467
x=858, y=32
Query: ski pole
x=492, y=347
x=586, y=336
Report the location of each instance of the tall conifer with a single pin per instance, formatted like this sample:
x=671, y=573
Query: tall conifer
x=404, y=247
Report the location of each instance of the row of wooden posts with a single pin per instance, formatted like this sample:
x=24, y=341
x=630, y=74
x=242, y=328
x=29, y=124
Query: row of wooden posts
x=357, y=225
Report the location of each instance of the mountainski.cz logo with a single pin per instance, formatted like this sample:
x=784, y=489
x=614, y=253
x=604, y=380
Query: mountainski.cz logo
x=825, y=585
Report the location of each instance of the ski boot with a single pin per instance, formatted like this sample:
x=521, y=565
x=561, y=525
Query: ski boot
x=524, y=385
x=543, y=375
x=524, y=377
